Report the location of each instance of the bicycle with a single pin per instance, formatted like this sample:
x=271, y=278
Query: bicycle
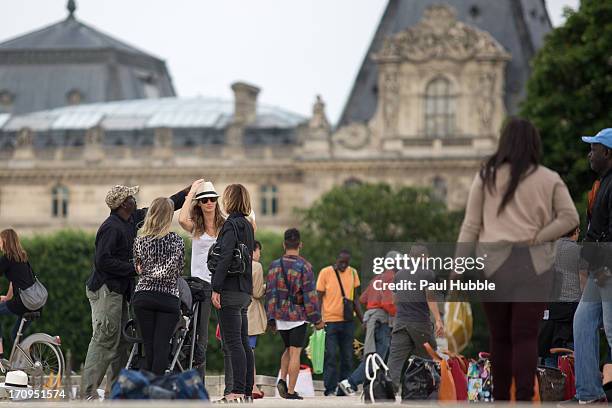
x=38, y=354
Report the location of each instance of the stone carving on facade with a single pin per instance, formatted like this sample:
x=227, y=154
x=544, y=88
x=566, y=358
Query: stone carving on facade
x=440, y=35
x=354, y=136
x=25, y=138
x=391, y=99
x=484, y=101
x=319, y=118
x=316, y=137
x=24, y=144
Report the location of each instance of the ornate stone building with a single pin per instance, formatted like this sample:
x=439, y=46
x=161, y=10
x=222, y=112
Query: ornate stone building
x=426, y=107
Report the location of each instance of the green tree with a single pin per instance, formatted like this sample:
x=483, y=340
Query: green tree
x=349, y=217
x=569, y=93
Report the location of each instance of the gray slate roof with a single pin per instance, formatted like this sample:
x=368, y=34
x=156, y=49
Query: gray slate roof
x=40, y=68
x=69, y=34
x=518, y=25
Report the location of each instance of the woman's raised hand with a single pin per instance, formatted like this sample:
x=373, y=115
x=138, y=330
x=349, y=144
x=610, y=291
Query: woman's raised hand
x=195, y=185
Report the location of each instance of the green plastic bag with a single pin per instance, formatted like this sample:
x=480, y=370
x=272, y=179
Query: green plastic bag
x=316, y=350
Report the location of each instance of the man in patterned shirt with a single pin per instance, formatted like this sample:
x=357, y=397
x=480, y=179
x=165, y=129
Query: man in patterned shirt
x=291, y=303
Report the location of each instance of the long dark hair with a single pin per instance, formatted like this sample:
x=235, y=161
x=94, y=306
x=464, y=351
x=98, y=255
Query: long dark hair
x=521, y=147
x=12, y=246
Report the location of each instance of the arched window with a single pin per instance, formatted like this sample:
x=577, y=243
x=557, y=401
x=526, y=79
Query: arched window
x=6, y=100
x=59, y=202
x=440, y=189
x=74, y=97
x=439, y=108
x=269, y=200
x=352, y=182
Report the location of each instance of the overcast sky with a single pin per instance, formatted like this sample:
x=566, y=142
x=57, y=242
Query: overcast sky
x=293, y=50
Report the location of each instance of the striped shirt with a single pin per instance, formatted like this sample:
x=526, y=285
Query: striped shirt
x=161, y=261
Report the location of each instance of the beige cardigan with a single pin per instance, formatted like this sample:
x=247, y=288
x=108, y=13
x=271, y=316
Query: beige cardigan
x=540, y=212
x=256, y=313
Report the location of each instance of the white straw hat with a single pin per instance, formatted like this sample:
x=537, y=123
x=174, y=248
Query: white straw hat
x=206, y=189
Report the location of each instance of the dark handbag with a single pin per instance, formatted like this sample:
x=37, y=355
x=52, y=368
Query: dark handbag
x=421, y=379
x=241, y=255
x=552, y=384
x=200, y=289
x=378, y=386
x=348, y=306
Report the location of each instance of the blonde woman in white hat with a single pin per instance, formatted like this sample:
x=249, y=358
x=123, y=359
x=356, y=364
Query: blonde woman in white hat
x=201, y=216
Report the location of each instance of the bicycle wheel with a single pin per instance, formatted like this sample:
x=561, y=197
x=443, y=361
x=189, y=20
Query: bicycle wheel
x=49, y=358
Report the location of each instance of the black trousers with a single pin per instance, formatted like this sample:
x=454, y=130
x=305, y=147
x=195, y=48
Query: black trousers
x=235, y=333
x=157, y=314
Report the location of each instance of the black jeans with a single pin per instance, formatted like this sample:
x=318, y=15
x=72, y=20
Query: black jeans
x=156, y=315
x=202, y=331
x=235, y=333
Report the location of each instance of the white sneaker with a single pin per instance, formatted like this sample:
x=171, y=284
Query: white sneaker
x=345, y=386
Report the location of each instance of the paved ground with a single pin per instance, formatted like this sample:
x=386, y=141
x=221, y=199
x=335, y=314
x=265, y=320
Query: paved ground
x=318, y=402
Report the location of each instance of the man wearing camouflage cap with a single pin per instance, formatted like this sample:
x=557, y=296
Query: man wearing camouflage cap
x=111, y=284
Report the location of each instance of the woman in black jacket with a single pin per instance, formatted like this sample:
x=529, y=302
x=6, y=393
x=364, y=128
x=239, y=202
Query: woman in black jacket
x=15, y=266
x=232, y=292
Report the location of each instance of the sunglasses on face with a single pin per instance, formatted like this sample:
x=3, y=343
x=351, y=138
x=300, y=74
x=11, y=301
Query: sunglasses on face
x=206, y=199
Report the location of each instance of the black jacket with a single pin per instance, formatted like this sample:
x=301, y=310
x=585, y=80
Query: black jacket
x=113, y=259
x=221, y=281
x=600, y=227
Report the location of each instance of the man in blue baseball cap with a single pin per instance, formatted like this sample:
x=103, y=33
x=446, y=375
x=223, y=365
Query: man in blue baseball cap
x=595, y=307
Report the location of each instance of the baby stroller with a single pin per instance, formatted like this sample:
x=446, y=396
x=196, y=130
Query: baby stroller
x=184, y=337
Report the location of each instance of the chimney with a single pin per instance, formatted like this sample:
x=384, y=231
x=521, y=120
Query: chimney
x=245, y=102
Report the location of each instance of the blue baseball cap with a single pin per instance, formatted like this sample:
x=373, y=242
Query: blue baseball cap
x=604, y=137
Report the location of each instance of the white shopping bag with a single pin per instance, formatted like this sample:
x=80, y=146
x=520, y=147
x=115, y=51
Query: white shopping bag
x=304, y=385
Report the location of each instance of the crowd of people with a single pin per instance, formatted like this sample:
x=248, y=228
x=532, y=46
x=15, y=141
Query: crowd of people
x=513, y=199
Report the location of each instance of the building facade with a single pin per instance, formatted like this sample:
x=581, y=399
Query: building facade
x=425, y=109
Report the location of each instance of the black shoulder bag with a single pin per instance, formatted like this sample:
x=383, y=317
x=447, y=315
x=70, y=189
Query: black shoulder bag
x=240, y=255
x=348, y=306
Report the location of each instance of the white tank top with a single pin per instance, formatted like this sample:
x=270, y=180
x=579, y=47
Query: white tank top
x=199, y=256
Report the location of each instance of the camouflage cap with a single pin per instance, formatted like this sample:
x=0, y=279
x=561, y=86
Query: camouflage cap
x=118, y=194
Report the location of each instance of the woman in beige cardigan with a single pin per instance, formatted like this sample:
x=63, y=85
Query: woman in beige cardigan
x=515, y=200
x=256, y=313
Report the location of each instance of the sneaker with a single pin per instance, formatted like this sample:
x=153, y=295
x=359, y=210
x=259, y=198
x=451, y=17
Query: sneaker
x=329, y=393
x=347, y=388
x=576, y=401
x=282, y=388
x=248, y=399
x=238, y=400
x=294, y=396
